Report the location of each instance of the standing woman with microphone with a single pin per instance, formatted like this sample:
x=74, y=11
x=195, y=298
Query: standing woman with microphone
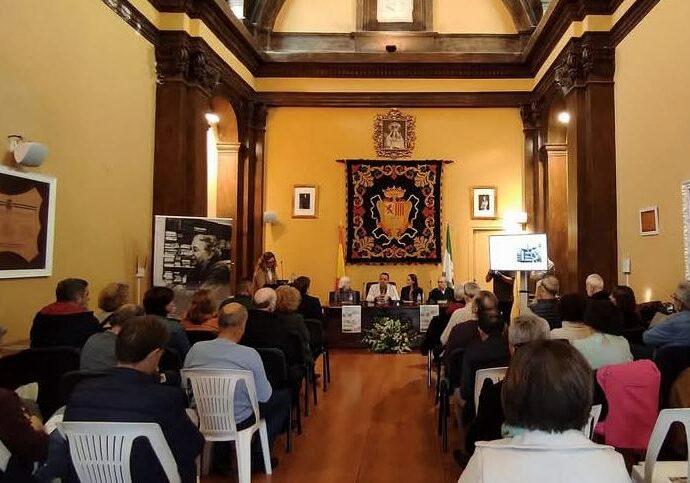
x=265, y=272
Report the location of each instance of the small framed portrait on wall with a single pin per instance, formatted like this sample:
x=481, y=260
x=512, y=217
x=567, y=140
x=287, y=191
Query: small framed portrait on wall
x=304, y=201
x=483, y=200
x=649, y=221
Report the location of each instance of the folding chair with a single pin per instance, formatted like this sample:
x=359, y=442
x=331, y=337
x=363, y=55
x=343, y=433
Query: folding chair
x=645, y=472
x=494, y=373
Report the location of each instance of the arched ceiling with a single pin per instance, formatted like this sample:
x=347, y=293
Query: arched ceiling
x=261, y=15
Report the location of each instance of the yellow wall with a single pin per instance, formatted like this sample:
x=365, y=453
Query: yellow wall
x=302, y=145
x=79, y=79
x=652, y=145
x=450, y=16
x=472, y=16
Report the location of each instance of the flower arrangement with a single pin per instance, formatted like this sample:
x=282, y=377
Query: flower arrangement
x=390, y=335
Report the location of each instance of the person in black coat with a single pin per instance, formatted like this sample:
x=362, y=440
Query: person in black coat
x=443, y=293
x=310, y=307
x=412, y=291
x=132, y=393
x=68, y=322
x=547, y=305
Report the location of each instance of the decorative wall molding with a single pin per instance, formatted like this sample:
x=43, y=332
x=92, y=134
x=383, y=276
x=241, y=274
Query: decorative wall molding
x=588, y=60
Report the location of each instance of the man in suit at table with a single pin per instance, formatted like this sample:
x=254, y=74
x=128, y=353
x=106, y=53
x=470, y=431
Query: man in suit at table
x=382, y=292
x=442, y=293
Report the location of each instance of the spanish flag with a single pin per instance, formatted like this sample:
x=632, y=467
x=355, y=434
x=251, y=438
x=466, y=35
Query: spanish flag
x=340, y=267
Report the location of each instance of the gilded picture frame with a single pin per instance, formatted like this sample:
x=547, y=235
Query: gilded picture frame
x=394, y=134
x=484, y=201
x=304, y=201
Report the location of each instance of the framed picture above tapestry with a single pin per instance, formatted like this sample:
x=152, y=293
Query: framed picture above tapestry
x=27, y=222
x=394, y=134
x=483, y=200
x=685, y=197
x=649, y=221
x=304, y=201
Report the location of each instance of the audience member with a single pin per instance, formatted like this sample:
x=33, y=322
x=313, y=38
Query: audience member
x=68, y=322
x=442, y=293
x=265, y=329
x=309, y=307
x=243, y=294
x=225, y=352
x=547, y=395
x=594, y=286
x=98, y=353
x=468, y=312
x=111, y=298
x=572, y=309
x=675, y=329
x=23, y=435
x=503, y=289
x=546, y=305
x=604, y=346
x=201, y=314
x=382, y=292
x=458, y=301
x=345, y=294
x=466, y=334
x=412, y=292
x=486, y=426
x=160, y=301
x=492, y=351
x=287, y=302
x=265, y=272
x=132, y=394
x=623, y=298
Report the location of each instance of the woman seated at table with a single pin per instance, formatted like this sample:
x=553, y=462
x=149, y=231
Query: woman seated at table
x=412, y=292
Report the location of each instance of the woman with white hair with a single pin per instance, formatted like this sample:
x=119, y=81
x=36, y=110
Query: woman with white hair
x=345, y=294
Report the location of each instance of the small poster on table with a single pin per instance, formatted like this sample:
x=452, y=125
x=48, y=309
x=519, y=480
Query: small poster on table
x=426, y=313
x=352, y=319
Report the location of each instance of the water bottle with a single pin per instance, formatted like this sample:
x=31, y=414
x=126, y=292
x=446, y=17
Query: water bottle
x=419, y=298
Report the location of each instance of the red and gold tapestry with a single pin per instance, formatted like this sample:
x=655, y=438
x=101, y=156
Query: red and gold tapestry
x=393, y=211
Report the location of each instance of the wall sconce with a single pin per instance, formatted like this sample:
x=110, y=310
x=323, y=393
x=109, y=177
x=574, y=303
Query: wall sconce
x=27, y=153
x=270, y=217
x=564, y=117
x=212, y=118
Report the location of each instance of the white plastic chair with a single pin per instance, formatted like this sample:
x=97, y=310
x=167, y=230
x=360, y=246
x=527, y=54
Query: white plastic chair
x=5, y=456
x=494, y=373
x=101, y=451
x=645, y=472
x=594, y=414
x=214, y=391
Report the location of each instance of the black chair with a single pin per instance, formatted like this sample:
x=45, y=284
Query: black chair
x=277, y=375
x=671, y=361
x=70, y=380
x=195, y=336
x=170, y=361
x=44, y=366
x=319, y=346
x=301, y=370
x=453, y=373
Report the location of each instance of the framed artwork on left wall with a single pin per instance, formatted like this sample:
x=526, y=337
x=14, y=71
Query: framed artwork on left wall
x=27, y=223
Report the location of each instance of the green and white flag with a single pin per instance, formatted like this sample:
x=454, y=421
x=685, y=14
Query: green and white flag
x=448, y=259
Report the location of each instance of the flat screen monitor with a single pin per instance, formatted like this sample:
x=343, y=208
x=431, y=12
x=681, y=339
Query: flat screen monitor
x=525, y=252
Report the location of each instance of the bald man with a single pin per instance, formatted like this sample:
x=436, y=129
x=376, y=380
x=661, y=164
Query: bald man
x=265, y=329
x=225, y=352
x=594, y=285
x=546, y=305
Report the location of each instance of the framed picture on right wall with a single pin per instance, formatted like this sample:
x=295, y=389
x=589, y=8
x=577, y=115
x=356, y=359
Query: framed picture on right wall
x=685, y=197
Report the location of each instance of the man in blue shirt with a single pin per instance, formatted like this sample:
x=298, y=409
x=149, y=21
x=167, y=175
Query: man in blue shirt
x=226, y=353
x=675, y=329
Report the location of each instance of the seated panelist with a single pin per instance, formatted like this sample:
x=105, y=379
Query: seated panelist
x=383, y=292
x=412, y=292
x=442, y=294
x=345, y=294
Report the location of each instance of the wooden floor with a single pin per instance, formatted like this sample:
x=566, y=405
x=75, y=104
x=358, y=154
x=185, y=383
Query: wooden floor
x=376, y=423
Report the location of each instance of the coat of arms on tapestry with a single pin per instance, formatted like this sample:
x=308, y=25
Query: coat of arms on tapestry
x=393, y=211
